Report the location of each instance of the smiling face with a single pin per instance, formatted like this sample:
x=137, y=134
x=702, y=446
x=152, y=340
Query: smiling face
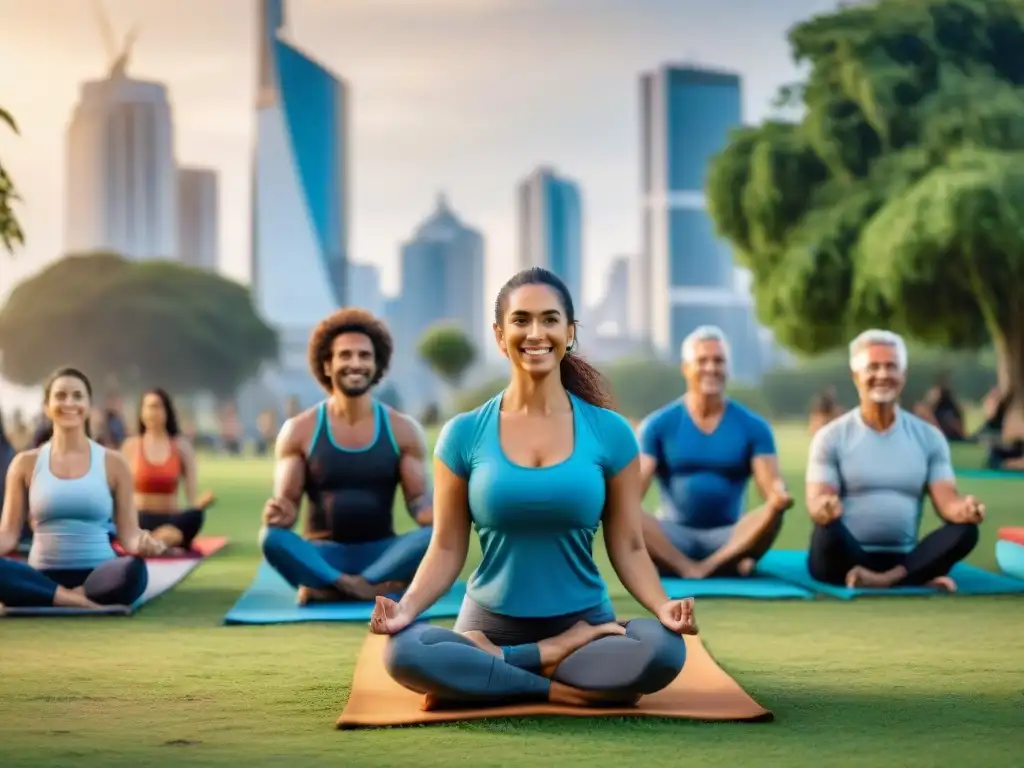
x=705, y=372
x=351, y=366
x=879, y=376
x=68, y=403
x=535, y=331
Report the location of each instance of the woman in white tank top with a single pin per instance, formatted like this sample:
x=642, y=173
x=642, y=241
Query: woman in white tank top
x=72, y=487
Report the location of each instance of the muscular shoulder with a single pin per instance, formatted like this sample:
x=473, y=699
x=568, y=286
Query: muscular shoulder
x=297, y=432
x=409, y=433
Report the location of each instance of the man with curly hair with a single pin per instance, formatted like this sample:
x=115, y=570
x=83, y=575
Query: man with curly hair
x=348, y=455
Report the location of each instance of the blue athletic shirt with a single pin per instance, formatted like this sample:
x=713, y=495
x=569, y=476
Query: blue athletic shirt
x=703, y=477
x=537, y=525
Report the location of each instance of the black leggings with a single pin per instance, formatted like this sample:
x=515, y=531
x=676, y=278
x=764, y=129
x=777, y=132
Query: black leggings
x=189, y=522
x=834, y=552
x=119, y=581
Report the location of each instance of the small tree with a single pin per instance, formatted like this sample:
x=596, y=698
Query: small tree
x=448, y=351
x=153, y=322
x=10, y=230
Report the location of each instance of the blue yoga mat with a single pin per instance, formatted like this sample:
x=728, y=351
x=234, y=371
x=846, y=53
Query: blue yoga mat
x=271, y=600
x=990, y=474
x=791, y=565
x=1010, y=556
x=755, y=587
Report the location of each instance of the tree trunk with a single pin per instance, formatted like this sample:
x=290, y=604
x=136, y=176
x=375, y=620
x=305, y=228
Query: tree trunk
x=1010, y=368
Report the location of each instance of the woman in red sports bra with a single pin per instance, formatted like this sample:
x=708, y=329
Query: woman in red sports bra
x=162, y=463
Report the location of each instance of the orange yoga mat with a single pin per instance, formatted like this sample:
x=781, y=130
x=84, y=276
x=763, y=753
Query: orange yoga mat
x=703, y=691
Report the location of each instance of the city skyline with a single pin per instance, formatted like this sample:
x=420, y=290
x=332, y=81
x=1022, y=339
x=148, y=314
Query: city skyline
x=415, y=129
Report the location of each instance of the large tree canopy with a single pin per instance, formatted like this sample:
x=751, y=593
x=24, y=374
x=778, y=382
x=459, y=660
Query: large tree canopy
x=150, y=323
x=10, y=231
x=898, y=198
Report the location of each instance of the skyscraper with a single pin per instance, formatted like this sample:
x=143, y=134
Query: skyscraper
x=611, y=313
x=684, y=276
x=442, y=281
x=364, y=288
x=198, y=218
x=300, y=193
x=551, y=227
x=122, y=186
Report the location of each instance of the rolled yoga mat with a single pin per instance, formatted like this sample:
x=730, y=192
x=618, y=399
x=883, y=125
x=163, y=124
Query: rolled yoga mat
x=703, y=691
x=271, y=600
x=791, y=565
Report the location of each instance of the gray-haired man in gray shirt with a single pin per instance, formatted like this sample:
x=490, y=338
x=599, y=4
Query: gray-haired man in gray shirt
x=868, y=474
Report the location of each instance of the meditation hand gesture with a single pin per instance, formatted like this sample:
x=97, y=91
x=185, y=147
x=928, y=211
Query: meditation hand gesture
x=279, y=513
x=969, y=510
x=826, y=509
x=389, y=617
x=147, y=546
x=780, y=498
x=678, y=616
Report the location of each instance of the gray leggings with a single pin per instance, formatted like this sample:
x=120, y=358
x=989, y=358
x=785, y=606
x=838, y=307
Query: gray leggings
x=442, y=662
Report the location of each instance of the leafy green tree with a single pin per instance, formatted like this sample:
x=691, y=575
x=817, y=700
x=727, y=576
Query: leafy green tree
x=10, y=230
x=898, y=199
x=146, y=323
x=448, y=352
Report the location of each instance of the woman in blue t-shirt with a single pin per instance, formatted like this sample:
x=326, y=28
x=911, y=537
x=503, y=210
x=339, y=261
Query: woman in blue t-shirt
x=536, y=470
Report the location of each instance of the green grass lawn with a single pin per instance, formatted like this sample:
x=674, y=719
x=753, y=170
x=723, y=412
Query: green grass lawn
x=901, y=681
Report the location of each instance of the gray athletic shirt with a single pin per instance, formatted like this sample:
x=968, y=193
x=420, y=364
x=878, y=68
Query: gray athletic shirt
x=882, y=477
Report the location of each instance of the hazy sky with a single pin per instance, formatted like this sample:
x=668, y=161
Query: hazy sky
x=465, y=96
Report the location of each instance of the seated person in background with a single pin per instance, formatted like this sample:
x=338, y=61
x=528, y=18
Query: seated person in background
x=940, y=409
x=72, y=487
x=867, y=474
x=162, y=464
x=7, y=454
x=348, y=455
x=703, y=449
x=824, y=408
x=536, y=470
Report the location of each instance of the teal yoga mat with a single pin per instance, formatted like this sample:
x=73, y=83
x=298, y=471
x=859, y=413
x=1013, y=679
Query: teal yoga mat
x=755, y=587
x=791, y=566
x=990, y=474
x=271, y=600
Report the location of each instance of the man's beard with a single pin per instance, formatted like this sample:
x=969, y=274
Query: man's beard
x=352, y=391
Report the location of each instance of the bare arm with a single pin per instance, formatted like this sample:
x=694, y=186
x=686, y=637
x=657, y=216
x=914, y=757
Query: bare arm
x=15, y=510
x=281, y=511
x=648, y=468
x=412, y=468
x=126, y=517
x=770, y=483
x=624, y=539
x=188, y=471
x=947, y=500
x=449, y=542
x=822, y=477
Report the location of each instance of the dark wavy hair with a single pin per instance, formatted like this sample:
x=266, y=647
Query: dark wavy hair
x=173, y=429
x=578, y=376
x=349, y=320
x=43, y=436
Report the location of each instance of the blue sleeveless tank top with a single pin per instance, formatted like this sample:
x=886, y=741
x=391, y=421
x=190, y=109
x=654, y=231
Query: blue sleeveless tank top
x=71, y=517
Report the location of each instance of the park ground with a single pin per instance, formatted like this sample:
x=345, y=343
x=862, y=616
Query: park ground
x=899, y=681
